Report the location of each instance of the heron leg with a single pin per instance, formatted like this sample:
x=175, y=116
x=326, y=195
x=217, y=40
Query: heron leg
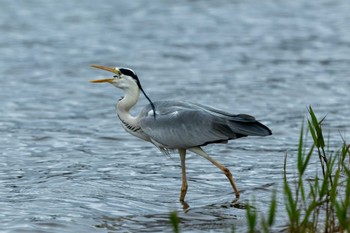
x=184, y=185
x=225, y=170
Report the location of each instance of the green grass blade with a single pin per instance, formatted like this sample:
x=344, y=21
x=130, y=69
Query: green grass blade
x=306, y=162
x=313, y=133
x=290, y=204
x=251, y=217
x=174, y=219
x=300, y=150
x=317, y=127
x=272, y=211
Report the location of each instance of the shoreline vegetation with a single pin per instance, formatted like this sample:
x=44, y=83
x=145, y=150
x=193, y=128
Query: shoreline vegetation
x=317, y=204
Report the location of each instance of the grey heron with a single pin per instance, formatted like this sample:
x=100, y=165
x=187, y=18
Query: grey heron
x=179, y=125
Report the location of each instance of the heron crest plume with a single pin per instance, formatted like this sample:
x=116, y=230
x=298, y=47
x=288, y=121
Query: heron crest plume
x=131, y=73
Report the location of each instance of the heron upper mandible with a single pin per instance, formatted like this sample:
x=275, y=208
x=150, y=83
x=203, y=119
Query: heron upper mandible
x=178, y=124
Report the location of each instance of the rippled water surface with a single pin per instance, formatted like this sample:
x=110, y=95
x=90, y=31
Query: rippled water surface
x=66, y=165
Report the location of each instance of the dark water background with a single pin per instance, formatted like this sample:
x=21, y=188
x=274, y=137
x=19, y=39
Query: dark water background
x=66, y=165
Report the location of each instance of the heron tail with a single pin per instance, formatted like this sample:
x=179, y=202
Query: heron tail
x=249, y=128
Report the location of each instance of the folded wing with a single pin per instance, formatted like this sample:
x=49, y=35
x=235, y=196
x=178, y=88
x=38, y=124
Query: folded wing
x=184, y=125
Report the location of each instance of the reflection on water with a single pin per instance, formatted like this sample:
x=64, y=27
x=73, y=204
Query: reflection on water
x=209, y=218
x=66, y=165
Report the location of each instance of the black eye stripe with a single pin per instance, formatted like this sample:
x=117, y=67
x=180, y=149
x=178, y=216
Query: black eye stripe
x=131, y=73
x=128, y=72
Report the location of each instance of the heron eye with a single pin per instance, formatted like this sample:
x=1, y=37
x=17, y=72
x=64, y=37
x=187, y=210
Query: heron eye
x=116, y=76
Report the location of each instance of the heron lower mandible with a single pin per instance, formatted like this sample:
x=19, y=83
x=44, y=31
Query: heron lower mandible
x=178, y=124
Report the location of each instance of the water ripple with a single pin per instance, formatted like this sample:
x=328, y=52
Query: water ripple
x=66, y=165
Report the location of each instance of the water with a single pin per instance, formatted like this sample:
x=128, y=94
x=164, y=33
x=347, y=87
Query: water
x=66, y=165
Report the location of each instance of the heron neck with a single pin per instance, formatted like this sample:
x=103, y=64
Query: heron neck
x=126, y=103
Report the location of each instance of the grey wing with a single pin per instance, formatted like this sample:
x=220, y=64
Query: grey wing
x=184, y=125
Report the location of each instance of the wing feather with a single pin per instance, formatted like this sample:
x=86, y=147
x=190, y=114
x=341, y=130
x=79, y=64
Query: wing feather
x=184, y=125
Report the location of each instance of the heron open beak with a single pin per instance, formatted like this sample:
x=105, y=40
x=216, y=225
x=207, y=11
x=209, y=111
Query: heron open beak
x=110, y=69
x=107, y=80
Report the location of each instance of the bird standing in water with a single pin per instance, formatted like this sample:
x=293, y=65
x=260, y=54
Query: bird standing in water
x=179, y=125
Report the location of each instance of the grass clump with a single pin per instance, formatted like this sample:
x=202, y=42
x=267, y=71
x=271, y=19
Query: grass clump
x=320, y=204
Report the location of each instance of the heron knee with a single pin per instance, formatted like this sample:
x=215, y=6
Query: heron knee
x=183, y=192
x=227, y=172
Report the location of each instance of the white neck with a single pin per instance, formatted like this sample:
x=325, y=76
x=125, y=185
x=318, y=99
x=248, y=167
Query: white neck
x=124, y=105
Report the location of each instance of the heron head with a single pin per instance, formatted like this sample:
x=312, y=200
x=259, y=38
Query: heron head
x=123, y=78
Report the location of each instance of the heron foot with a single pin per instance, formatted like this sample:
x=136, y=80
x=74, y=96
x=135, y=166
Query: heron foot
x=185, y=206
x=238, y=205
x=228, y=174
